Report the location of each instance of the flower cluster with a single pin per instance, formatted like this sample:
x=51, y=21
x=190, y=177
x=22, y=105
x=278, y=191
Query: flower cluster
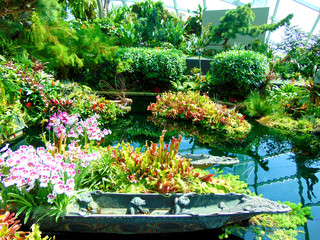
x=70, y=126
x=32, y=169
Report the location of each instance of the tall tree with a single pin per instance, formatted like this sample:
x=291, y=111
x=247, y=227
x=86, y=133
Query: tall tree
x=239, y=21
x=83, y=9
x=103, y=8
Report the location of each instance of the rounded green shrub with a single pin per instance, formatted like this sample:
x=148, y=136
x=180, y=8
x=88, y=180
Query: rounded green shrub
x=153, y=67
x=235, y=73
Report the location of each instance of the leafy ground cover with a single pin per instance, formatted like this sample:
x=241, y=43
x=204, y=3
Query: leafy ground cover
x=289, y=107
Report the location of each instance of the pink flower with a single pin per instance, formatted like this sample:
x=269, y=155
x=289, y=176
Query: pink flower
x=50, y=198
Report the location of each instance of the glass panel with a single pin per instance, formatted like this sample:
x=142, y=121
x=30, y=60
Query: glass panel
x=219, y=5
x=317, y=29
x=189, y=5
x=303, y=18
x=168, y=3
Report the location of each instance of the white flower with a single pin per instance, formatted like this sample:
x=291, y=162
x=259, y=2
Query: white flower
x=50, y=198
x=59, y=188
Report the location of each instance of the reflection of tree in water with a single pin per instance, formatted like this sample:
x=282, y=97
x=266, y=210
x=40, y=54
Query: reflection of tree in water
x=306, y=144
x=134, y=128
x=307, y=172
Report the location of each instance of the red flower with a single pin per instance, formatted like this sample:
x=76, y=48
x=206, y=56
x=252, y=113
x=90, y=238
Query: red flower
x=29, y=104
x=207, y=178
x=156, y=90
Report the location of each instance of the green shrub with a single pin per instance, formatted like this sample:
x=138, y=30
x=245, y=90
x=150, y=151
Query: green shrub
x=258, y=105
x=235, y=73
x=152, y=67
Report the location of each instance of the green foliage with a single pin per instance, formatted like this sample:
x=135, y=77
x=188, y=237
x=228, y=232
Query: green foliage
x=239, y=21
x=45, y=35
x=261, y=47
x=150, y=17
x=128, y=33
x=200, y=109
x=30, y=89
x=294, y=100
x=258, y=105
x=151, y=67
x=8, y=47
x=67, y=48
x=194, y=22
x=174, y=31
x=188, y=82
x=29, y=92
x=83, y=9
x=10, y=106
x=146, y=23
x=236, y=73
x=86, y=103
x=9, y=7
x=275, y=226
x=292, y=109
x=195, y=45
x=300, y=54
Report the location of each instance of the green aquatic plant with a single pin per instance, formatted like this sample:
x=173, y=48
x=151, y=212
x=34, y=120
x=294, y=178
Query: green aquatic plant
x=288, y=107
x=274, y=226
x=287, y=124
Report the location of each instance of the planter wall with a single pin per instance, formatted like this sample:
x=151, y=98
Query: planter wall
x=193, y=62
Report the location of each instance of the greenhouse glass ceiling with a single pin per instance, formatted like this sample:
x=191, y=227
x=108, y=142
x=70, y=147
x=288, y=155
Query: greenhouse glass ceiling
x=306, y=12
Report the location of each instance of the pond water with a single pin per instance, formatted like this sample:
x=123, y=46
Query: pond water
x=276, y=166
